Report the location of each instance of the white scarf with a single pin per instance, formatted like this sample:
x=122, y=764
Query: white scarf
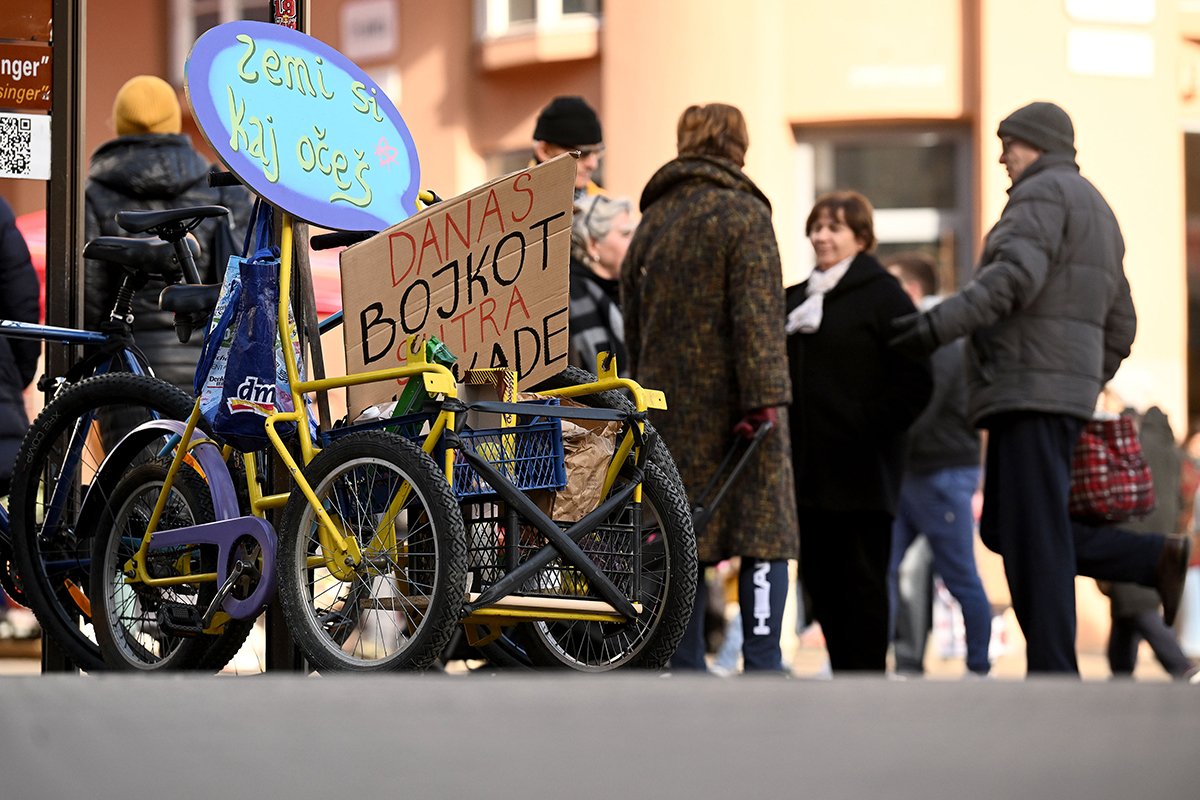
x=806, y=317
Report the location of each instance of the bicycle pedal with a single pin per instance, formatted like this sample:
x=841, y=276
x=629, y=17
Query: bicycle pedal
x=180, y=620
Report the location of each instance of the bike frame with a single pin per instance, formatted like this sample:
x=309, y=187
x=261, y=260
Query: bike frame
x=338, y=550
x=130, y=361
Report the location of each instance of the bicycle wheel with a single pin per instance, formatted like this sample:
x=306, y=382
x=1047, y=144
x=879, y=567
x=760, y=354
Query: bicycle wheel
x=667, y=590
x=397, y=608
x=551, y=647
x=57, y=459
x=128, y=616
x=510, y=650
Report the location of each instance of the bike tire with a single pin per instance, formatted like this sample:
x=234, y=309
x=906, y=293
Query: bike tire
x=53, y=567
x=513, y=649
x=534, y=644
x=667, y=591
x=336, y=622
x=125, y=615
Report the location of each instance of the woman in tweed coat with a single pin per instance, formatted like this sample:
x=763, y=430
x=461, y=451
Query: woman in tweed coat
x=702, y=293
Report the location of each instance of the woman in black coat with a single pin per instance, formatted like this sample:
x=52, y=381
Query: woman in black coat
x=853, y=400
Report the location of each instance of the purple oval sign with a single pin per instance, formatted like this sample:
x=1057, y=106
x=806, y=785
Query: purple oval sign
x=302, y=126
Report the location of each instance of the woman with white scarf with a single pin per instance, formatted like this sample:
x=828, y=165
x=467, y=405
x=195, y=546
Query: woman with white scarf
x=853, y=400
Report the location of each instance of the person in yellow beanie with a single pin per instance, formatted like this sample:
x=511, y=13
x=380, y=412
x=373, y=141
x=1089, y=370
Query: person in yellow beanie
x=151, y=165
x=146, y=104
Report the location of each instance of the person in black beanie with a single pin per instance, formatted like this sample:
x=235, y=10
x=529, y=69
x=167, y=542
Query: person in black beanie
x=569, y=123
x=1050, y=318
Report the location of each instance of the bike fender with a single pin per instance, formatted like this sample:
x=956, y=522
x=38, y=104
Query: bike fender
x=205, y=451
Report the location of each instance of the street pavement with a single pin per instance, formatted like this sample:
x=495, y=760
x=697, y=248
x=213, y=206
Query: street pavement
x=581, y=737
x=479, y=733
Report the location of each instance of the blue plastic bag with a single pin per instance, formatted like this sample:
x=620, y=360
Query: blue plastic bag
x=241, y=377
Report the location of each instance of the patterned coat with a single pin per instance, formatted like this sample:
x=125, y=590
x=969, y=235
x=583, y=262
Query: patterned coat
x=596, y=323
x=702, y=293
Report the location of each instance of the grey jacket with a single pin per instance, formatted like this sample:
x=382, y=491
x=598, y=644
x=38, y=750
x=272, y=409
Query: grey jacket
x=1049, y=311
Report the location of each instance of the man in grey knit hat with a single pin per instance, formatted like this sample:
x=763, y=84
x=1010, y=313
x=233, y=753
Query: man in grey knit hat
x=1050, y=318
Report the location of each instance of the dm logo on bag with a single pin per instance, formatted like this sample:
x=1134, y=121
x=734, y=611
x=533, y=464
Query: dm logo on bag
x=253, y=396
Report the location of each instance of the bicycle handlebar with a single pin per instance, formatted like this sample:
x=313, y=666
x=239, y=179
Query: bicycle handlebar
x=221, y=178
x=327, y=241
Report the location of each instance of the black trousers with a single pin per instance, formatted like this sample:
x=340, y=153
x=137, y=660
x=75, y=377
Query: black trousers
x=1127, y=632
x=843, y=564
x=1025, y=520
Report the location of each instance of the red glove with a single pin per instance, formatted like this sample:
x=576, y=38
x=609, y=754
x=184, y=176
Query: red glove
x=750, y=423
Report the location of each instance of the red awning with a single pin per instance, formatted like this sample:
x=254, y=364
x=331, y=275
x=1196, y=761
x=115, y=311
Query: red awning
x=33, y=227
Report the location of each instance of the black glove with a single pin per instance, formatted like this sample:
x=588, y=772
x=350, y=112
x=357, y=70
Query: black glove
x=914, y=335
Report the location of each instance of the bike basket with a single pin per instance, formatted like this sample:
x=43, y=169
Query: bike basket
x=530, y=454
x=497, y=543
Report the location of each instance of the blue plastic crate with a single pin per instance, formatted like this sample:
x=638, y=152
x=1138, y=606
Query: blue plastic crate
x=530, y=454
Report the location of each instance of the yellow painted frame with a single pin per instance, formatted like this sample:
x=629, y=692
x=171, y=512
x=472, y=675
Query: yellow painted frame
x=341, y=551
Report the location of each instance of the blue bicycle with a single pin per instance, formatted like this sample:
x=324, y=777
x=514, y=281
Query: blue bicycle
x=109, y=391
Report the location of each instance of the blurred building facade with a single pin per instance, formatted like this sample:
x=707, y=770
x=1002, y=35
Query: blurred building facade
x=897, y=100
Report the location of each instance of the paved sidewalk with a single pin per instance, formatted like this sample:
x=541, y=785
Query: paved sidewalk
x=613, y=736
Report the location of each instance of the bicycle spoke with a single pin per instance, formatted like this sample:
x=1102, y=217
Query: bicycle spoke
x=376, y=613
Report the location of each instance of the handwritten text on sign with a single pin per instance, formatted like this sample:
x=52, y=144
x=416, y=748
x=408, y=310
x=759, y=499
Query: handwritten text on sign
x=486, y=272
x=302, y=126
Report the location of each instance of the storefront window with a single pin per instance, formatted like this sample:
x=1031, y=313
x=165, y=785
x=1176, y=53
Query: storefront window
x=498, y=18
x=1191, y=162
x=918, y=180
x=194, y=17
x=522, y=10
x=901, y=174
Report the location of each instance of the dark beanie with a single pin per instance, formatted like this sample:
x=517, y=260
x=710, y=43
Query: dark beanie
x=568, y=121
x=1043, y=125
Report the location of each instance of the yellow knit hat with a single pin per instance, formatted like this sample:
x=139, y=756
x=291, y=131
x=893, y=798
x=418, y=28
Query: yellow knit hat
x=146, y=104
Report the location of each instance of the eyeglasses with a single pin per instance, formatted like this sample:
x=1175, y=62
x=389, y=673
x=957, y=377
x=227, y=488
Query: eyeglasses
x=585, y=150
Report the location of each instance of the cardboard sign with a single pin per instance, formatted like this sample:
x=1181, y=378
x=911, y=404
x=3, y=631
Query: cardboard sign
x=486, y=272
x=302, y=126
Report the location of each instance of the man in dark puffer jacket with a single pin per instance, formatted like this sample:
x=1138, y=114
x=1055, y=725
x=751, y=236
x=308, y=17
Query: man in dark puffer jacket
x=151, y=166
x=1050, y=318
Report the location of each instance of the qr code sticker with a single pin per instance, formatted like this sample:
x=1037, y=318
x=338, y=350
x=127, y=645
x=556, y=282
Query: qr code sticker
x=16, y=145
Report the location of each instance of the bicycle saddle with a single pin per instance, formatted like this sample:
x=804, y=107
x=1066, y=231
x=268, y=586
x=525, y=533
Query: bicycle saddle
x=147, y=256
x=185, y=298
x=170, y=222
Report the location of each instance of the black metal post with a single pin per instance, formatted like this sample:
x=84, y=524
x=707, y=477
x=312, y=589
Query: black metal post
x=64, y=206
